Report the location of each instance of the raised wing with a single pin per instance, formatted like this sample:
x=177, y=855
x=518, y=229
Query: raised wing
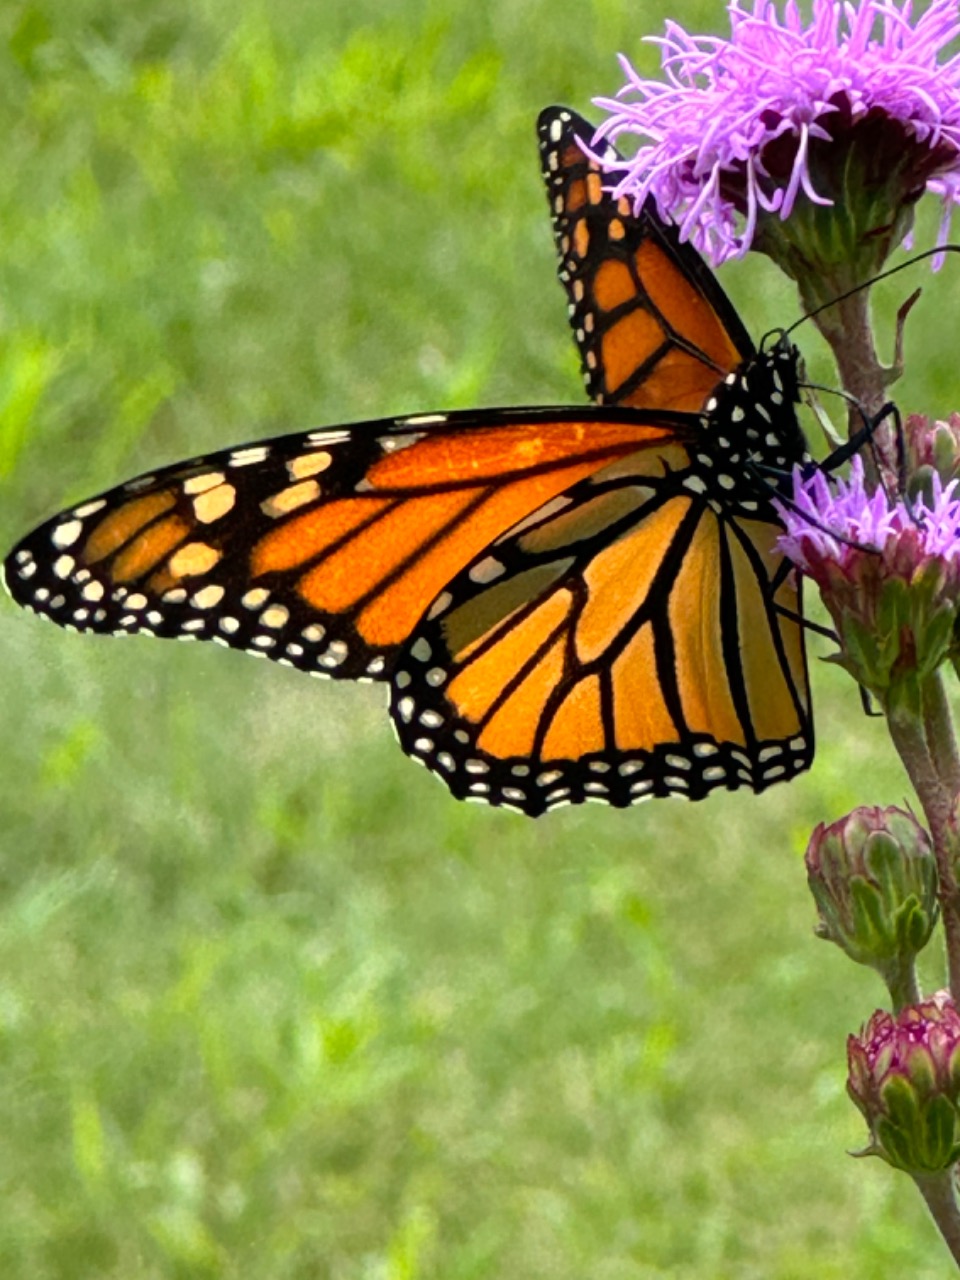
x=654, y=328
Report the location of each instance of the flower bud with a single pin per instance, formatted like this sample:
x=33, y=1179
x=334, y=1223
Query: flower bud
x=904, y=1075
x=931, y=446
x=874, y=879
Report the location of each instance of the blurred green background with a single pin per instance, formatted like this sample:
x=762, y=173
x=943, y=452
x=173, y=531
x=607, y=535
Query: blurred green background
x=271, y=1003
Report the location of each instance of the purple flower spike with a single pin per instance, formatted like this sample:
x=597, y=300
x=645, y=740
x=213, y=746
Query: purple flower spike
x=888, y=572
x=747, y=131
x=823, y=508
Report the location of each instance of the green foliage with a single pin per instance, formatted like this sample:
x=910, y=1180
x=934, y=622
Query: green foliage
x=272, y=1004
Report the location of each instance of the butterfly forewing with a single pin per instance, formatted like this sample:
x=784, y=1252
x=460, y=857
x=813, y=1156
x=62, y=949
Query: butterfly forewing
x=654, y=328
x=320, y=550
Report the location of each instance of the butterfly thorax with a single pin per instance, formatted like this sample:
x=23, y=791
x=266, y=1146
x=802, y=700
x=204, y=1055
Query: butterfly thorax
x=752, y=436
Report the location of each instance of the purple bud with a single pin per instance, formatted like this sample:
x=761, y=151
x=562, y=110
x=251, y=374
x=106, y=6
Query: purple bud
x=904, y=1075
x=932, y=447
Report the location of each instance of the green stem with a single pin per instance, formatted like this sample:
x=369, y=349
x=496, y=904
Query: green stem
x=903, y=986
x=847, y=329
x=937, y=1190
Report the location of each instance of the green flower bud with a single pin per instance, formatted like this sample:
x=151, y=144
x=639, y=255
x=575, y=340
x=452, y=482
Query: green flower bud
x=870, y=176
x=933, y=447
x=874, y=879
x=904, y=1075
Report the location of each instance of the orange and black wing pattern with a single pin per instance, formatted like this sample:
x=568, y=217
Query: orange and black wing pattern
x=321, y=550
x=570, y=604
x=654, y=329
x=637, y=636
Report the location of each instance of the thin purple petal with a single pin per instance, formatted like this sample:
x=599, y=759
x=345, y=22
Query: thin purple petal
x=723, y=101
x=834, y=519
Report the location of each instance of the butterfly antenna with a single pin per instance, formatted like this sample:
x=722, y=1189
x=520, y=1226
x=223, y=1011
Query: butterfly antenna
x=815, y=627
x=884, y=275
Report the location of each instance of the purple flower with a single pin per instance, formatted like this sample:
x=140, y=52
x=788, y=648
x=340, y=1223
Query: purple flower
x=888, y=572
x=749, y=130
x=903, y=535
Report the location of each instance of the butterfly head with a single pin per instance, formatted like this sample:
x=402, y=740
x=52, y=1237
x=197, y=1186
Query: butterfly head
x=782, y=355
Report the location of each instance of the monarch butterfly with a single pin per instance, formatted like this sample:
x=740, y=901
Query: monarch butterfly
x=569, y=604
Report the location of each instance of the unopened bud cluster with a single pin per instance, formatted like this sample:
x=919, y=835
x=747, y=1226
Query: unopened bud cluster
x=874, y=880
x=905, y=1078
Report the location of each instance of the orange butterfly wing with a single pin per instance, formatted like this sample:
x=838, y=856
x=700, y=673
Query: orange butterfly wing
x=654, y=329
x=321, y=550
x=630, y=639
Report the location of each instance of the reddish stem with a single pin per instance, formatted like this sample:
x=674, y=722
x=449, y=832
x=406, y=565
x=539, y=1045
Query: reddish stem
x=937, y=800
x=937, y=1190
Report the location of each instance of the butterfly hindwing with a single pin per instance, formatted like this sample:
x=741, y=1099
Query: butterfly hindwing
x=626, y=641
x=653, y=327
x=320, y=550
x=570, y=604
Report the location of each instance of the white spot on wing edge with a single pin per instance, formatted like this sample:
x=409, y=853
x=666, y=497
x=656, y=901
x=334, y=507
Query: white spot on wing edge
x=421, y=650
x=208, y=596
x=89, y=508
x=247, y=457
x=332, y=435
x=440, y=605
x=255, y=598
x=275, y=616
x=66, y=534
x=201, y=483
x=393, y=444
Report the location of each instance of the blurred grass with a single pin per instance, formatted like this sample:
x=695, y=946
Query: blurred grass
x=271, y=1004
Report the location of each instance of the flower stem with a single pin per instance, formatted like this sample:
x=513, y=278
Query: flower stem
x=937, y=798
x=937, y=1191
x=847, y=329
x=922, y=732
x=903, y=986
x=941, y=739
